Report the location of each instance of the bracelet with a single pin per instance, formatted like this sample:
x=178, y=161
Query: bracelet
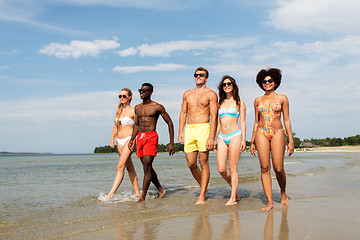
x=252, y=142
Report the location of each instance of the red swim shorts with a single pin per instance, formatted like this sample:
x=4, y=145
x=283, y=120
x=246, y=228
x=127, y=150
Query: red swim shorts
x=146, y=144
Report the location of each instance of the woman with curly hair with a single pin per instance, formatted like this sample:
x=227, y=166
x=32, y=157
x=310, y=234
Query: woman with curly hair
x=269, y=133
x=123, y=126
x=231, y=136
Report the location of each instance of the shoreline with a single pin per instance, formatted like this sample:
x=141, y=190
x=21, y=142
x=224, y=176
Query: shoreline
x=347, y=148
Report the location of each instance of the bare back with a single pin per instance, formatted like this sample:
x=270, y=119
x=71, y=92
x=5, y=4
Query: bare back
x=197, y=104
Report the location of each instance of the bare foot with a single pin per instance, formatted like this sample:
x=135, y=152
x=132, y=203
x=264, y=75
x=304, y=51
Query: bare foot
x=284, y=199
x=161, y=193
x=268, y=207
x=231, y=203
x=140, y=200
x=105, y=198
x=201, y=200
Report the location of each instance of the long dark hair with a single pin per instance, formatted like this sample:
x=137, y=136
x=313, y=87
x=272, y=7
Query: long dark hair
x=235, y=91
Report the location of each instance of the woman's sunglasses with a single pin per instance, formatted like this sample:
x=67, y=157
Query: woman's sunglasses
x=122, y=96
x=267, y=81
x=227, y=84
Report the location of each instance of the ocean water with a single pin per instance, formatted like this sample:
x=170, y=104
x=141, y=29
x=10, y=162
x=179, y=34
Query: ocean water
x=55, y=196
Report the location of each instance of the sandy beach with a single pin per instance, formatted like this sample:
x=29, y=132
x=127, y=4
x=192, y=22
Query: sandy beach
x=335, y=149
x=323, y=188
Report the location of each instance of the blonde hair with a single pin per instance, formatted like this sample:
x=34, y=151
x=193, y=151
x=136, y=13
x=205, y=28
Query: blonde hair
x=121, y=106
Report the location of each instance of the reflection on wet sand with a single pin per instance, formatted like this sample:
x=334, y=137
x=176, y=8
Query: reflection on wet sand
x=269, y=225
x=232, y=229
x=202, y=228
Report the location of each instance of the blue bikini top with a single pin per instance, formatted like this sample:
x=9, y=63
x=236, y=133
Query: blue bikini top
x=232, y=112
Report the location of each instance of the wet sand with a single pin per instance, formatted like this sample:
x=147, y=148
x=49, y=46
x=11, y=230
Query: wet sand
x=312, y=214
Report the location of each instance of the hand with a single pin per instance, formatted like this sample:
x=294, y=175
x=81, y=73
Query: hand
x=242, y=146
x=112, y=143
x=252, y=150
x=171, y=149
x=181, y=138
x=290, y=148
x=210, y=144
x=131, y=145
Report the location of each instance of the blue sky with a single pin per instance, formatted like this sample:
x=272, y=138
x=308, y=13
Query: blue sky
x=63, y=62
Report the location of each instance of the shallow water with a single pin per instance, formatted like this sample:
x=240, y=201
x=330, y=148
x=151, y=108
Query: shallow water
x=55, y=196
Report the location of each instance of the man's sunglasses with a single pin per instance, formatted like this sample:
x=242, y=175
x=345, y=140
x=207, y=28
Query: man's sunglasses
x=199, y=75
x=143, y=90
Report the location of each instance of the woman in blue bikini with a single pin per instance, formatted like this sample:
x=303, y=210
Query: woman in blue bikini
x=123, y=126
x=269, y=133
x=231, y=136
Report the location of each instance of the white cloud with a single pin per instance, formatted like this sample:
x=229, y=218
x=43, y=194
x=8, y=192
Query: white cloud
x=304, y=16
x=128, y=52
x=161, y=67
x=78, y=49
x=165, y=49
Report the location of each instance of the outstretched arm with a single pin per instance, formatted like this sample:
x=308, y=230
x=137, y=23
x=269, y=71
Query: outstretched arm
x=170, y=124
x=113, y=135
x=182, y=121
x=256, y=123
x=210, y=144
x=134, y=132
x=286, y=117
x=243, y=125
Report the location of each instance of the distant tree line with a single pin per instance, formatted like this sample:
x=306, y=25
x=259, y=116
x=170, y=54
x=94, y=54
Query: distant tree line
x=161, y=148
x=105, y=149
x=332, y=142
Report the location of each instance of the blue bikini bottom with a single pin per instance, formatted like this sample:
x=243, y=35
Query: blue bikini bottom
x=227, y=138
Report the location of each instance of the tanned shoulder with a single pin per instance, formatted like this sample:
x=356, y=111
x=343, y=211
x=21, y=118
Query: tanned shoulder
x=283, y=98
x=158, y=106
x=257, y=100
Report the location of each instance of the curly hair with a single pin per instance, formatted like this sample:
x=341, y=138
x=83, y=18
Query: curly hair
x=274, y=73
x=235, y=91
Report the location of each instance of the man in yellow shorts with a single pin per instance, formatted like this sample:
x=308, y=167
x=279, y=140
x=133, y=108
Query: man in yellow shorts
x=199, y=111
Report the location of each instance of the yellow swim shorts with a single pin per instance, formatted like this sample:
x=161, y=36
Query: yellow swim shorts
x=196, y=136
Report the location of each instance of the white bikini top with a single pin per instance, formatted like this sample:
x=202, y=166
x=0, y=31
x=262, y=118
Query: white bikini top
x=124, y=120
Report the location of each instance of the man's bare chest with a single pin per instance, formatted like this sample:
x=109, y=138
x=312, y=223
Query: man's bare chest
x=145, y=111
x=198, y=100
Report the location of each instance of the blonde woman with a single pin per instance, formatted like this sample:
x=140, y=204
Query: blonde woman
x=232, y=136
x=123, y=126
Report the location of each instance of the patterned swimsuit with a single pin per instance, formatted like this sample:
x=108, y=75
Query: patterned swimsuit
x=269, y=114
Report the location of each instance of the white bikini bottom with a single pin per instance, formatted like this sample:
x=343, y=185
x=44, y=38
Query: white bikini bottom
x=123, y=140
